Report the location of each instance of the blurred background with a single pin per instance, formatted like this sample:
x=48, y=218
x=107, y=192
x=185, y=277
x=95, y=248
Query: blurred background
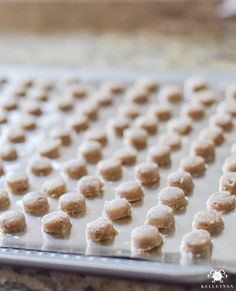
x=148, y=34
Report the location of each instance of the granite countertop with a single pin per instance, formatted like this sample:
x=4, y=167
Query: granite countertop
x=137, y=50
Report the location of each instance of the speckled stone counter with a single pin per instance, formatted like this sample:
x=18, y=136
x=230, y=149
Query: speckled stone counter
x=139, y=50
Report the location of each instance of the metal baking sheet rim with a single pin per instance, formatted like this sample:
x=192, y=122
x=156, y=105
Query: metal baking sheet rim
x=118, y=267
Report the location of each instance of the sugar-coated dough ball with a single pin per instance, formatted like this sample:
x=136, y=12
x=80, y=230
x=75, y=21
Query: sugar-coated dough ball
x=91, y=110
x=103, y=99
x=194, y=165
x=230, y=164
x=73, y=204
x=214, y=134
x=28, y=123
x=204, y=149
x=118, y=125
x=221, y=201
x=54, y=187
x=91, y=151
x=91, y=186
x=136, y=137
x=181, y=179
x=50, y=149
x=228, y=183
x=41, y=166
x=113, y=87
x=65, y=103
x=170, y=139
x=117, y=208
x=130, y=190
x=2, y=172
x=127, y=156
x=110, y=169
x=196, y=242
x=170, y=93
x=147, y=83
x=195, y=84
x=145, y=238
x=16, y=135
x=194, y=110
x=76, y=168
x=161, y=216
x=181, y=126
x=18, y=182
x=100, y=230
x=35, y=203
x=4, y=200
x=12, y=221
x=98, y=135
x=79, y=123
x=161, y=155
x=173, y=197
x=57, y=223
x=223, y=120
x=147, y=173
x=208, y=220
x=206, y=97
x=63, y=134
x=137, y=95
x=148, y=123
x=163, y=112
x=130, y=111
x=8, y=152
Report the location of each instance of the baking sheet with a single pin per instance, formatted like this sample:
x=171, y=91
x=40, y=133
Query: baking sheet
x=223, y=250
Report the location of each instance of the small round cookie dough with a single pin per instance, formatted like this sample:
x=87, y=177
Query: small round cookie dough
x=50, y=149
x=79, y=123
x=118, y=125
x=228, y=183
x=137, y=95
x=233, y=149
x=39, y=95
x=145, y=238
x=41, y=166
x=65, y=104
x=110, y=169
x=221, y=201
x=4, y=200
x=117, y=209
x=181, y=126
x=208, y=220
x=130, y=111
x=214, y=134
x=170, y=93
x=73, y=204
x=229, y=164
x=90, y=186
x=170, y=139
x=113, y=87
x=77, y=91
x=91, y=110
x=12, y=221
x=3, y=117
x=8, y=152
x=64, y=135
x=162, y=217
x=147, y=83
x=76, y=168
x=127, y=156
x=16, y=135
x=19, y=91
x=173, y=197
x=33, y=108
x=147, y=173
x=206, y=97
x=100, y=230
x=161, y=155
x=136, y=138
x=228, y=107
x=97, y=134
x=54, y=187
x=223, y=120
x=195, y=84
x=148, y=123
x=57, y=223
x=103, y=99
x=2, y=171
x=9, y=103
x=26, y=83
x=182, y=180
x=163, y=112
x=230, y=91
x=194, y=165
x=194, y=110
x=91, y=151
x=204, y=149
x=196, y=242
x=28, y=123
x=18, y=182
x=130, y=190
x=35, y=203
